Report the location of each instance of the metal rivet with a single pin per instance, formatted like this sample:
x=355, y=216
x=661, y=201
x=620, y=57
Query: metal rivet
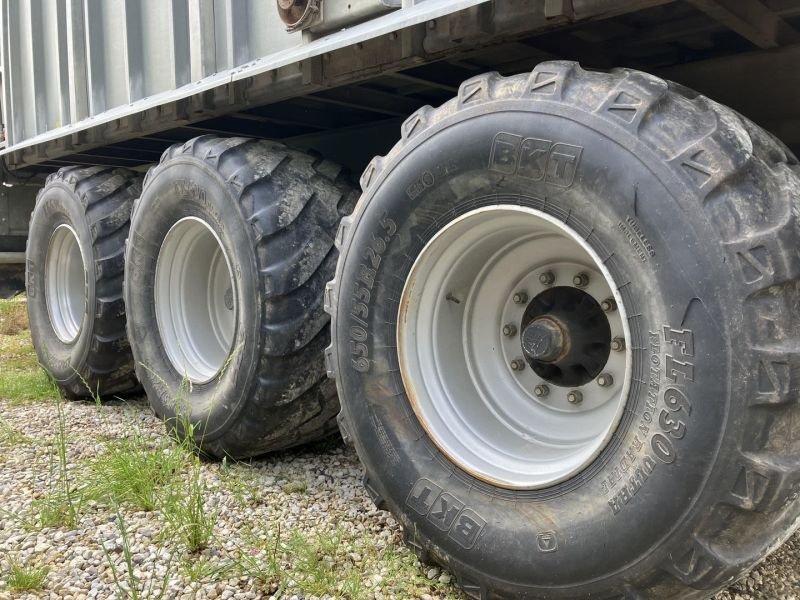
x=520, y=298
x=608, y=305
x=605, y=379
x=517, y=364
x=580, y=280
x=541, y=391
x=618, y=344
x=547, y=278
x=510, y=330
x=574, y=397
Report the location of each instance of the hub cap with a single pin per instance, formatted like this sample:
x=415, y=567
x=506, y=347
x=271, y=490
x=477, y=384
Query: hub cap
x=505, y=348
x=195, y=301
x=65, y=284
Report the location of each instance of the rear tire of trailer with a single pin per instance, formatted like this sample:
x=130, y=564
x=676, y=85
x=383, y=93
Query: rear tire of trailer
x=74, y=276
x=231, y=245
x=523, y=195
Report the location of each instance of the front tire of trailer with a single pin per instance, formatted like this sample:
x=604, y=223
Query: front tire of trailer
x=74, y=274
x=689, y=212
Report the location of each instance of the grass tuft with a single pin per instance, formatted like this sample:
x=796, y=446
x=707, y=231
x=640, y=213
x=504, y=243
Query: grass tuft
x=134, y=471
x=21, y=578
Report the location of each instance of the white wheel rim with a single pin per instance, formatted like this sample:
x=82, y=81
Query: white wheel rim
x=195, y=301
x=455, y=360
x=65, y=284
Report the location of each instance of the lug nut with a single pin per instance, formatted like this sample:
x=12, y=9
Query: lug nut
x=608, y=305
x=547, y=278
x=520, y=298
x=581, y=280
x=618, y=344
x=517, y=364
x=541, y=391
x=509, y=330
x=574, y=397
x=605, y=379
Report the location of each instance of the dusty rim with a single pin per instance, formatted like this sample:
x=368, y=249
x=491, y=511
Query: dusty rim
x=65, y=284
x=195, y=300
x=512, y=340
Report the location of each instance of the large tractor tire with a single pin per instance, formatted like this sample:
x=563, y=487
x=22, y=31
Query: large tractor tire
x=566, y=337
x=230, y=249
x=74, y=275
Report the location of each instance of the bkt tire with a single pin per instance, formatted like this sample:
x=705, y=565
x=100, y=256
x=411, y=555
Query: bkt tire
x=74, y=274
x=231, y=245
x=566, y=337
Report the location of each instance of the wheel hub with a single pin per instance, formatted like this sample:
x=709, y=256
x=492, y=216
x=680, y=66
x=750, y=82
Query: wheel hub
x=544, y=340
x=195, y=301
x=523, y=381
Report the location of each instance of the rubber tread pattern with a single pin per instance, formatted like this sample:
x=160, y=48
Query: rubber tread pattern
x=290, y=200
x=749, y=183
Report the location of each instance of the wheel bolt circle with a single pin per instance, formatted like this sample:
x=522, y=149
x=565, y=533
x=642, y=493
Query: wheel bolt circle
x=608, y=305
x=541, y=391
x=575, y=397
x=605, y=379
x=509, y=330
x=517, y=364
x=520, y=298
x=581, y=280
x=547, y=278
x=618, y=344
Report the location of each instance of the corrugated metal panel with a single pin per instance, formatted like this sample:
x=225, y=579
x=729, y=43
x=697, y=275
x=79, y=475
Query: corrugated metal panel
x=72, y=64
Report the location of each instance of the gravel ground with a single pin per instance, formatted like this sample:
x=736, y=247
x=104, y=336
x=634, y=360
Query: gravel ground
x=304, y=492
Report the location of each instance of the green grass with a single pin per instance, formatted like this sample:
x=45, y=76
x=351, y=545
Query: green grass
x=21, y=578
x=134, y=471
x=183, y=507
x=21, y=378
x=10, y=436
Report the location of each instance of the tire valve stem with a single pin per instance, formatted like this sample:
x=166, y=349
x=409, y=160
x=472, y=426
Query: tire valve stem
x=452, y=298
x=517, y=364
x=509, y=330
x=581, y=280
x=575, y=397
x=605, y=380
x=608, y=305
x=618, y=344
x=541, y=391
x=520, y=298
x=547, y=278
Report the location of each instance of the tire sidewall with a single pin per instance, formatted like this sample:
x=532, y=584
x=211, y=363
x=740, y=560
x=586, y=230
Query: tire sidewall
x=635, y=213
x=58, y=205
x=187, y=187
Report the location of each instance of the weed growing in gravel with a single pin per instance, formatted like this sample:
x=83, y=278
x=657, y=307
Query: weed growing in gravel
x=21, y=578
x=129, y=583
x=183, y=507
x=61, y=503
x=10, y=436
x=133, y=471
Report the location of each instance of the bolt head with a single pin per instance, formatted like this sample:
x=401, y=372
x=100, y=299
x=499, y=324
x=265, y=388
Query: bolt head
x=509, y=330
x=547, y=278
x=580, y=280
x=517, y=364
x=608, y=305
x=541, y=391
x=520, y=298
x=605, y=380
x=618, y=344
x=575, y=397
